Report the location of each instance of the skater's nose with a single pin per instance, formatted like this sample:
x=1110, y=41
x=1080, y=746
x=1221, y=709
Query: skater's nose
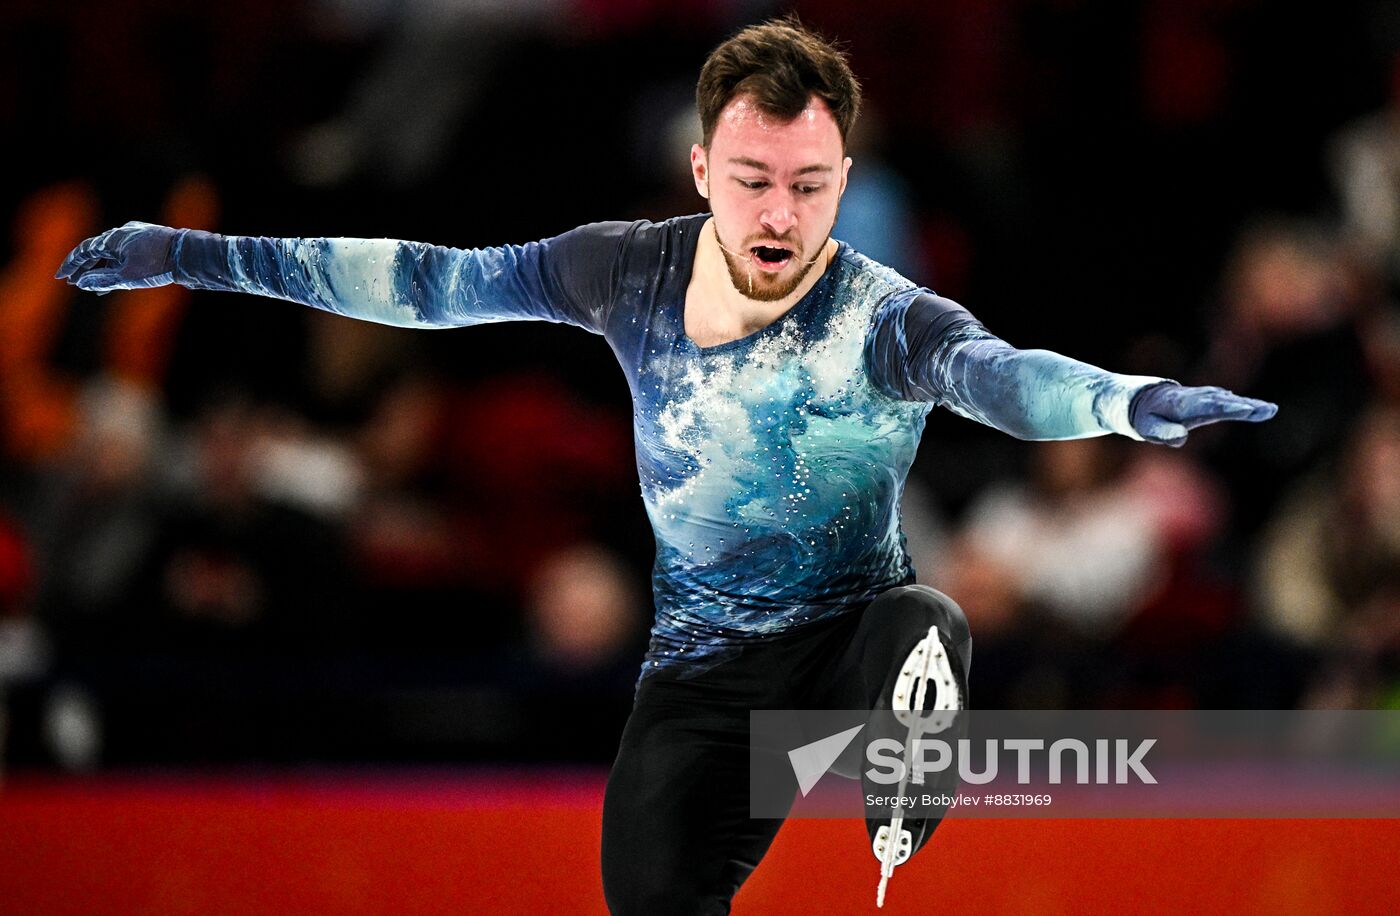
x=778, y=219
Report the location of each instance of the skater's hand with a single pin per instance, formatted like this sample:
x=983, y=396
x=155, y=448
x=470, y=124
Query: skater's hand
x=1165, y=412
x=135, y=256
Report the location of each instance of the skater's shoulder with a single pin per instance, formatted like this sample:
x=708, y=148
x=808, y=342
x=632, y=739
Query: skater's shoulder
x=868, y=272
x=667, y=233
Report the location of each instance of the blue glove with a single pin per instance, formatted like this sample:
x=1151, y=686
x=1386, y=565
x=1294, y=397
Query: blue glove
x=135, y=256
x=1165, y=412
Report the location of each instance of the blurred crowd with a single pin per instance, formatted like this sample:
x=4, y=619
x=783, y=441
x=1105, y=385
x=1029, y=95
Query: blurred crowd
x=236, y=530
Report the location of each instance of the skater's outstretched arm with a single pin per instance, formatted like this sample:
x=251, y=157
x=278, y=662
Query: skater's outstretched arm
x=926, y=348
x=409, y=284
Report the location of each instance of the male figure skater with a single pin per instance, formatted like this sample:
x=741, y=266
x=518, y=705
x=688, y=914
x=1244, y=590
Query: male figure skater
x=780, y=382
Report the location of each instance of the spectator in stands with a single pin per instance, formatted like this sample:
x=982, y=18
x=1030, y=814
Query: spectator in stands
x=1327, y=575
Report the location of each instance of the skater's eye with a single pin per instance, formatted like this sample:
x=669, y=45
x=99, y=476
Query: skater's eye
x=752, y=185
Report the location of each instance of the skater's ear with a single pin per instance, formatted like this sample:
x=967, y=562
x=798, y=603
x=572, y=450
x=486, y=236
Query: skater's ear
x=700, y=169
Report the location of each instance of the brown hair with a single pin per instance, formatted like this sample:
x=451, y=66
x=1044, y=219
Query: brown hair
x=782, y=64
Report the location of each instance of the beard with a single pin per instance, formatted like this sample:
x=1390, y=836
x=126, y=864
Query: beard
x=761, y=286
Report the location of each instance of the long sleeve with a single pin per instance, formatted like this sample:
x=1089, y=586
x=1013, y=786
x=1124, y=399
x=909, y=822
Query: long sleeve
x=922, y=347
x=567, y=279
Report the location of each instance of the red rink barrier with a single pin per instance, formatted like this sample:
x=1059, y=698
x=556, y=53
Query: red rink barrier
x=507, y=844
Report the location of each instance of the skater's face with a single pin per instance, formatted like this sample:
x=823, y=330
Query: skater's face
x=774, y=188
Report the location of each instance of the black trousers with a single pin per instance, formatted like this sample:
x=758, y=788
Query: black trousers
x=677, y=836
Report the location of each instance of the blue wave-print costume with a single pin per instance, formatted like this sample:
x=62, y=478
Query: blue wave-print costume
x=772, y=466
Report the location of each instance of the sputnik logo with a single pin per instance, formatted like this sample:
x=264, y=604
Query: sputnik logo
x=811, y=761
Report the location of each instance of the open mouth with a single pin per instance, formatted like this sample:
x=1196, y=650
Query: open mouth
x=771, y=257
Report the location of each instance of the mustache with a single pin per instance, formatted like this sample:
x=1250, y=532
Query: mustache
x=787, y=240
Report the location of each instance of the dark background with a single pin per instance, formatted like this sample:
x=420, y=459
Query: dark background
x=239, y=531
